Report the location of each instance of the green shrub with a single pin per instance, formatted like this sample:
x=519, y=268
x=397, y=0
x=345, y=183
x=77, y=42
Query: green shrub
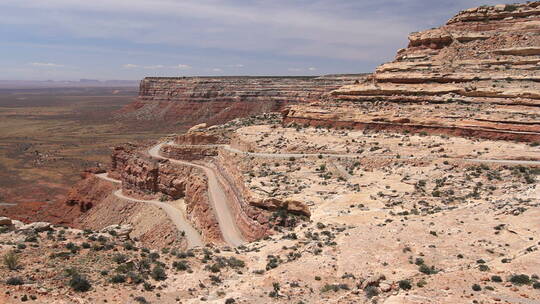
x=14, y=281
x=427, y=270
x=148, y=287
x=135, y=278
x=496, y=278
x=483, y=267
x=158, y=273
x=118, y=278
x=371, y=291
x=141, y=300
x=520, y=279
x=476, y=287
x=120, y=258
x=79, y=283
x=180, y=265
x=405, y=284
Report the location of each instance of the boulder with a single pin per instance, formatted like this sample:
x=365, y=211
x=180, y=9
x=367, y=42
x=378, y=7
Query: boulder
x=373, y=280
x=385, y=286
x=5, y=221
x=197, y=127
x=17, y=224
x=295, y=206
x=37, y=226
x=121, y=231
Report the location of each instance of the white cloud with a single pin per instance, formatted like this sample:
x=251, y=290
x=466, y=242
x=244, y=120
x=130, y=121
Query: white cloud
x=182, y=67
x=312, y=68
x=46, y=64
x=319, y=27
x=154, y=67
x=294, y=69
x=236, y=65
x=218, y=70
x=130, y=66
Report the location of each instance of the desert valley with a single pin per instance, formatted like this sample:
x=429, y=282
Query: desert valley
x=417, y=183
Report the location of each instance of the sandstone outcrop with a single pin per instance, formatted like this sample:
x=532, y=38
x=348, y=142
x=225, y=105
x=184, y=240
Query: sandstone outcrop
x=37, y=227
x=121, y=231
x=479, y=76
x=144, y=175
x=187, y=101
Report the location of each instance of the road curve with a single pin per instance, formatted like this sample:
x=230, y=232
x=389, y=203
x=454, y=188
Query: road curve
x=193, y=237
x=218, y=199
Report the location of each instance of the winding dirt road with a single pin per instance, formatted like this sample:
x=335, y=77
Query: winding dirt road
x=176, y=215
x=218, y=199
x=352, y=155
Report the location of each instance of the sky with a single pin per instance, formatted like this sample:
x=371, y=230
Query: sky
x=131, y=39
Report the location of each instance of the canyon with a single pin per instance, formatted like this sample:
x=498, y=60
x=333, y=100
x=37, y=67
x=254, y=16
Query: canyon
x=418, y=183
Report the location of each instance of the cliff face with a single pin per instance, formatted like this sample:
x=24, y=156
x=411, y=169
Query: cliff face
x=141, y=175
x=187, y=101
x=478, y=75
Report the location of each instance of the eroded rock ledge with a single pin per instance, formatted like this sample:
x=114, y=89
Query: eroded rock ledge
x=187, y=101
x=478, y=75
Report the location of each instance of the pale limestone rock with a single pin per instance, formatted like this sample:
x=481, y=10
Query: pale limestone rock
x=121, y=231
x=4, y=221
x=37, y=226
x=197, y=127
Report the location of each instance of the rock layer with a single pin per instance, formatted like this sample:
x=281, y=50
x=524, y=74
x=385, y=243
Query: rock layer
x=144, y=175
x=187, y=101
x=479, y=75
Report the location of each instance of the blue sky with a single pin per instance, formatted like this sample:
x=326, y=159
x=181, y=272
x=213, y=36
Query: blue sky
x=130, y=39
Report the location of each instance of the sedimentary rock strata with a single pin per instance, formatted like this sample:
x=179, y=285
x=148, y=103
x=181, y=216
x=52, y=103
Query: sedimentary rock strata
x=187, y=101
x=479, y=75
x=144, y=176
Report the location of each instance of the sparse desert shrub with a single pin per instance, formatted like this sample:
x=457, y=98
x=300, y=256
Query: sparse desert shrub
x=158, y=273
x=118, y=278
x=520, y=279
x=215, y=279
x=483, y=267
x=134, y=278
x=120, y=258
x=405, y=284
x=11, y=260
x=476, y=287
x=235, y=263
x=141, y=300
x=79, y=283
x=427, y=270
x=496, y=278
x=148, y=287
x=14, y=281
x=275, y=293
x=371, y=291
x=180, y=265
